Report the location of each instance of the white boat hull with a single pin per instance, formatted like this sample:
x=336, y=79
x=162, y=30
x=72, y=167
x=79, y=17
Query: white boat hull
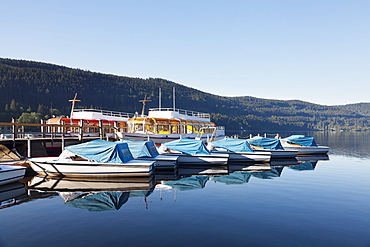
x=69, y=168
x=280, y=154
x=163, y=162
x=308, y=150
x=245, y=156
x=11, y=173
x=211, y=159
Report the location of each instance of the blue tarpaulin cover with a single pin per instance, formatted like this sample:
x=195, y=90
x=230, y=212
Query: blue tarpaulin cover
x=101, y=201
x=234, y=178
x=102, y=151
x=142, y=149
x=234, y=145
x=306, y=141
x=189, y=183
x=188, y=146
x=264, y=142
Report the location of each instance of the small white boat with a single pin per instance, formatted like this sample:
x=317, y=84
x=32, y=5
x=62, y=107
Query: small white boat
x=273, y=146
x=191, y=151
x=96, y=158
x=304, y=144
x=11, y=173
x=239, y=150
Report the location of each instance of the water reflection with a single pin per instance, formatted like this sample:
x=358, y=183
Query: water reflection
x=101, y=201
x=102, y=194
x=93, y=194
x=234, y=178
x=10, y=192
x=350, y=144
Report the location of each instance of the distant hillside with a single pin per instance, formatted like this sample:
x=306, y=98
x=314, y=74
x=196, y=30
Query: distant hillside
x=39, y=90
x=360, y=108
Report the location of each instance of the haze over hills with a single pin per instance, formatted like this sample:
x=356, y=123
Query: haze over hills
x=31, y=90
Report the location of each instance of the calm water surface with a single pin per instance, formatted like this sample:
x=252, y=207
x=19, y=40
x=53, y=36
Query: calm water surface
x=313, y=202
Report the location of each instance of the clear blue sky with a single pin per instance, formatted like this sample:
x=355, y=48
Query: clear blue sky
x=313, y=50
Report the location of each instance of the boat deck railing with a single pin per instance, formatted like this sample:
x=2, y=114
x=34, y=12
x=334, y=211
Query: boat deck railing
x=184, y=112
x=107, y=113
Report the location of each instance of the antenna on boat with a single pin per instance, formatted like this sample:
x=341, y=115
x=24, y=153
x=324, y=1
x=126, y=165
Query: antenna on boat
x=174, y=99
x=160, y=99
x=74, y=100
x=144, y=100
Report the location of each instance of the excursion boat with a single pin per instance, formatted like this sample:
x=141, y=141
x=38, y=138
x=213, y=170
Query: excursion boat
x=91, y=120
x=96, y=158
x=273, y=146
x=239, y=150
x=168, y=124
x=304, y=144
x=192, y=151
x=11, y=173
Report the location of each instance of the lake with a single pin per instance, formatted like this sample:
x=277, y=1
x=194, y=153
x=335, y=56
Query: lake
x=316, y=201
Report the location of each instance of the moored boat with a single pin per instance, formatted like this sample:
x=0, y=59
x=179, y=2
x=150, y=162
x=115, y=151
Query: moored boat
x=191, y=151
x=169, y=124
x=96, y=158
x=238, y=150
x=91, y=120
x=272, y=145
x=305, y=145
x=11, y=173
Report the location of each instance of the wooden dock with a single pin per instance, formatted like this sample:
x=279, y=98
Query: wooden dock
x=36, y=140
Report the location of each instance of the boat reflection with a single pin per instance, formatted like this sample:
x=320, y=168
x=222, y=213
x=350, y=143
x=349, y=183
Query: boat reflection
x=234, y=178
x=10, y=192
x=100, y=201
x=187, y=183
x=70, y=184
x=102, y=194
x=94, y=194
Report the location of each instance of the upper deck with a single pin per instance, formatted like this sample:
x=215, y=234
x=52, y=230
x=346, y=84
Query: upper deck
x=101, y=114
x=179, y=114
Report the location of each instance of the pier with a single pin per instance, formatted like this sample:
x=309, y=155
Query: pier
x=33, y=140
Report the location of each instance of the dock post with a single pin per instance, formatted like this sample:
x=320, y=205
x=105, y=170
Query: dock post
x=29, y=148
x=101, y=130
x=42, y=128
x=115, y=129
x=14, y=129
x=63, y=142
x=81, y=130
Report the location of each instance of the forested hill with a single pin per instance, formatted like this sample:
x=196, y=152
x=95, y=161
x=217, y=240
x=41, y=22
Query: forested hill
x=32, y=90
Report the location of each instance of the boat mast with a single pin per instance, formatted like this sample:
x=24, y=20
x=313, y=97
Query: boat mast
x=144, y=100
x=160, y=99
x=174, y=99
x=74, y=100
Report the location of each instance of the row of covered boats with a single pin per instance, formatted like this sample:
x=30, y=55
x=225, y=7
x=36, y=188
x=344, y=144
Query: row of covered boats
x=134, y=158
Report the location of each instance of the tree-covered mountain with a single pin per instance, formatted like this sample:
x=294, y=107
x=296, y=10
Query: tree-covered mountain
x=31, y=90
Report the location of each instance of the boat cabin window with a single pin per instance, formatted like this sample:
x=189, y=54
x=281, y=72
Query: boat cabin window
x=163, y=129
x=138, y=127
